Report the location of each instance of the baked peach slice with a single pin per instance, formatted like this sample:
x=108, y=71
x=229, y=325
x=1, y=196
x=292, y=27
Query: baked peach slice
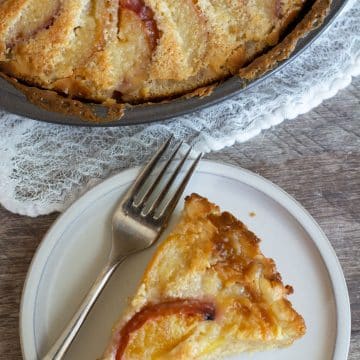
x=123, y=64
x=183, y=42
x=14, y=29
x=55, y=42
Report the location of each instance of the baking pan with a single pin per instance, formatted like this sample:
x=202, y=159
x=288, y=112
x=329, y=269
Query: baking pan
x=14, y=101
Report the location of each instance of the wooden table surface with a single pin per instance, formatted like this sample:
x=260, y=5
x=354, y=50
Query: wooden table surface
x=315, y=158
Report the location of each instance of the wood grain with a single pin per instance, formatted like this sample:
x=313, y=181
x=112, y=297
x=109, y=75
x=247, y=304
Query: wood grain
x=315, y=158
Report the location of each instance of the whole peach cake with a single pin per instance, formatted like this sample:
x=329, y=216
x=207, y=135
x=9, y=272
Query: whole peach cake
x=136, y=50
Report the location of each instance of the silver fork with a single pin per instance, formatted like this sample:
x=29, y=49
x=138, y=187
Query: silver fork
x=134, y=228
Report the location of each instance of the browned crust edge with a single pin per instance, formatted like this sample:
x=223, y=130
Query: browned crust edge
x=52, y=101
x=266, y=62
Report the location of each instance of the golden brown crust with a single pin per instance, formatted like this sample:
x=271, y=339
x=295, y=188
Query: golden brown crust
x=313, y=19
x=99, y=50
x=208, y=291
x=52, y=101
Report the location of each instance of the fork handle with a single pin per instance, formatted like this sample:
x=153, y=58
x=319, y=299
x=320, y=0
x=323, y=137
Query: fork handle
x=67, y=336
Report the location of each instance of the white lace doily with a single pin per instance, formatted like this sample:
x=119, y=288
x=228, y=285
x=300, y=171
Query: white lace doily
x=45, y=167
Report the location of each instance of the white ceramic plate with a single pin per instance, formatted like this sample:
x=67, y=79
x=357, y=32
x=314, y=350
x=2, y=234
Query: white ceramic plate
x=76, y=247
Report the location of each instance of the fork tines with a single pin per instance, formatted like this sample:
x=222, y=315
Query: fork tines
x=147, y=197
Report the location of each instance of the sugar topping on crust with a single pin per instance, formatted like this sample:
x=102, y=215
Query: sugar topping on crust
x=207, y=292
x=135, y=50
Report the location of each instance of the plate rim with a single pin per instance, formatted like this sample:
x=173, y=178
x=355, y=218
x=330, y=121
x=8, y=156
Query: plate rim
x=290, y=204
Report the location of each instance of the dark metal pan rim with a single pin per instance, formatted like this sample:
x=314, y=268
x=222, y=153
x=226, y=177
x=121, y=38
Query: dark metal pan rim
x=14, y=101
